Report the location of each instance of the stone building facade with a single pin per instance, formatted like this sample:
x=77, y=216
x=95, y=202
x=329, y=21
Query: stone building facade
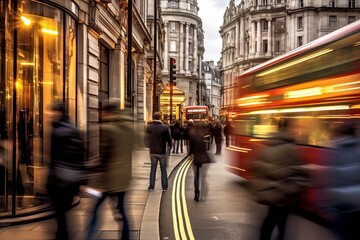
x=254, y=31
x=184, y=41
x=213, y=87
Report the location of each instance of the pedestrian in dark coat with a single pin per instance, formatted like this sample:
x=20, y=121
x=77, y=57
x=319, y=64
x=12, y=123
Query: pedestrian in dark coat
x=116, y=146
x=227, y=132
x=66, y=167
x=157, y=139
x=198, y=149
x=274, y=182
x=217, y=131
x=344, y=187
x=187, y=130
x=176, y=132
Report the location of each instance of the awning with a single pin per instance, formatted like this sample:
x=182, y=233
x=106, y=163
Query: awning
x=178, y=97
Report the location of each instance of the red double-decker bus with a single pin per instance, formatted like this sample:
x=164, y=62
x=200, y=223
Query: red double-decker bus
x=196, y=113
x=315, y=85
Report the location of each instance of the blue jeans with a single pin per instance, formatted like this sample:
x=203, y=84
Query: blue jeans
x=155, y=158
x=125, y=233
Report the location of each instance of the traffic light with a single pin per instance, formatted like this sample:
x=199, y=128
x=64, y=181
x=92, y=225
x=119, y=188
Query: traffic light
x=173, y=71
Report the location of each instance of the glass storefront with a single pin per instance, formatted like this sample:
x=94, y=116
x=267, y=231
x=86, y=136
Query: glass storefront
x=37, y=67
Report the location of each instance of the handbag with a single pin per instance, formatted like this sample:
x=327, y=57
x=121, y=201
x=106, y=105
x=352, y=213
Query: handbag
x=201, y=157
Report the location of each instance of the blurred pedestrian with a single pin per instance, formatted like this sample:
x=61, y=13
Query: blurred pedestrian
x=344, y=187
x=274, y=182
x=187, y=130
x=209, y=133
x=66, y=170
x=227, y=132
x=176, y=131
x=116, y=144
x=199, y=150
x=157, y=138
x=217, y=132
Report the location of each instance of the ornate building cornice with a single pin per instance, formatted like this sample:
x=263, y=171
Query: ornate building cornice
x=93, y=17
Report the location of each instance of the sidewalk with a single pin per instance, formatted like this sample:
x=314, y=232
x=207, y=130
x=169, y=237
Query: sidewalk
x=143, y=209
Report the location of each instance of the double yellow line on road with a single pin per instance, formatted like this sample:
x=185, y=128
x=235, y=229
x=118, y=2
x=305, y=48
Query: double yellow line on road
x=181, y=221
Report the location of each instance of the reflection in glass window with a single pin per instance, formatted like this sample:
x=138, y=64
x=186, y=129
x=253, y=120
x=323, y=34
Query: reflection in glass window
x=45, y=72
x=309, y=127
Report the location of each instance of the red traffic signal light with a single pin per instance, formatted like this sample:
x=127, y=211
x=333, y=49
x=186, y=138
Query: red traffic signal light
x=172, y=71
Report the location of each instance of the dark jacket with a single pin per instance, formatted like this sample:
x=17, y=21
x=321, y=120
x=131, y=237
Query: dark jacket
x=344, y=175
x=275, y=174
x=67, y=149
x=176, y=131
x=198, y=146
x=187, y=130
x=156, y=136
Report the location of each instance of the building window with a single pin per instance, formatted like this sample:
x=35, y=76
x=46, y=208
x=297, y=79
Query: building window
x=301, y=3
x=190, y=101
x=173, y=46
x=277, y=46
x=172, y=26
x=278, y=1
x=265, y=46
x=351, y=3
x=300, y=23
x=265, y=25
x=104, y=72
x=173, y=4
x=333, y=22
x=299, y=41
x=332, y=3
x=264, y=2
x=351, y=19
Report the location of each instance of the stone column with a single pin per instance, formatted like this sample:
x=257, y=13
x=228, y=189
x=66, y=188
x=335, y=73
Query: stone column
x=270, y=44
x=195, y=42
x=258, y=38
x=187, y=49
x=166, y=48
x=253, y=38
x=181, y=36
x=237, y=49
x=242, y=38
x=139, y=58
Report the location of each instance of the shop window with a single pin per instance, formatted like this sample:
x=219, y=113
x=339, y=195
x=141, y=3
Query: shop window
x=45, y=73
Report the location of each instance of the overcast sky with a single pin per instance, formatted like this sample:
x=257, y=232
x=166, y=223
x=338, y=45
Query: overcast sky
x=211, y=13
